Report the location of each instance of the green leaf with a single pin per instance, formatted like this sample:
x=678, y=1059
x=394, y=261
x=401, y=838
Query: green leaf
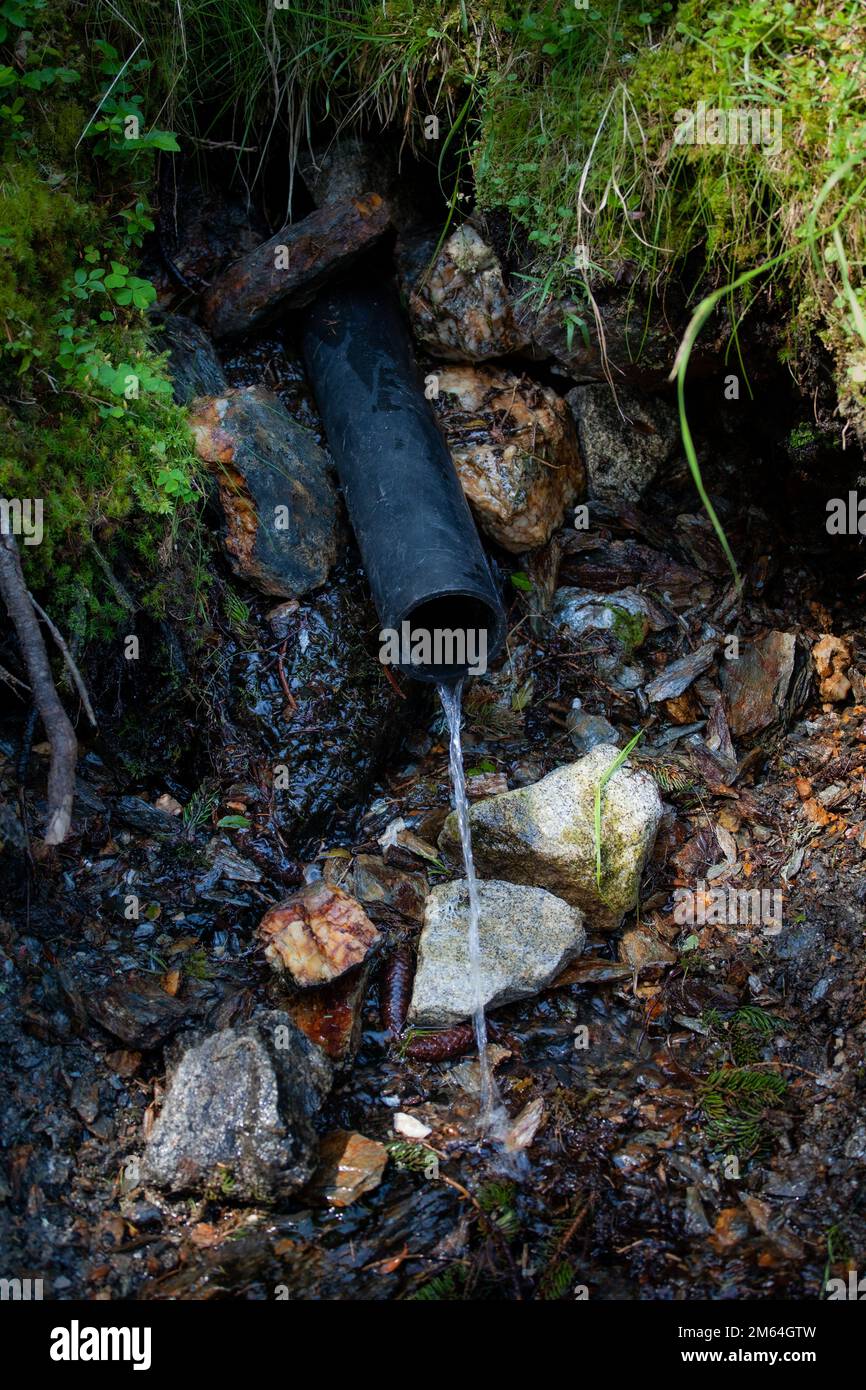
x=161, y=140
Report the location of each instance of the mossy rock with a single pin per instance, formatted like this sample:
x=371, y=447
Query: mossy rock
x=544, y=835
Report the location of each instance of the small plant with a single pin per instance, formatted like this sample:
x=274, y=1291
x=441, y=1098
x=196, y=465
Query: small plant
x=410, y=1157
x=445, y=1287
x=237, y=611
x=735, y=1102
x=196, y=964
x=198, y=811
x=745, y=1032
x=599, y=792
x=117, y=128
x=496, y=1201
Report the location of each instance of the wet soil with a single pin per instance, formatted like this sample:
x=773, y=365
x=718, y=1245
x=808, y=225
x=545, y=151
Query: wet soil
x=645, y=1179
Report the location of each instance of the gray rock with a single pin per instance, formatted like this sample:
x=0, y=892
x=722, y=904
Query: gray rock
x=348, y=167
x=678, y=676
x=238, y=1113
x=136, y=1009
x=148, y=820
x=345, y=168
x=544, y=835
x=192, y=361
x=768, y=684
x=622, y=455
x=628, y=615
x=632, y=338
x=587, y=731
x=526, y=936
x=278, y=502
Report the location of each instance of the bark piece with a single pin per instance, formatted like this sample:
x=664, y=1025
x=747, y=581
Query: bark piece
x=289, y=270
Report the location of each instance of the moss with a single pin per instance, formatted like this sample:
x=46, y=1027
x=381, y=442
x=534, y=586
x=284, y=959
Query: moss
x=630, y=629
x=87, y=419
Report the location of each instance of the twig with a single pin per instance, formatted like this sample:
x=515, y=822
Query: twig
x=68, y=658
x=61, y=735
x=8, y=677
x=281, y=672
x=392, y=680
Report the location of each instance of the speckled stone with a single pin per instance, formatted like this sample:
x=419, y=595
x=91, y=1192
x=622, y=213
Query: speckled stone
x=526, y=935
x=543, y=834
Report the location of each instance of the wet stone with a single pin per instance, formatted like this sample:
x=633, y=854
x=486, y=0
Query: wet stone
x=544, y=835
x=586, y=731
x=515, y=450
x=317, y=934
x=136, y=1010
x=350, y=1164
x=628, y=615
x=526, y=934
x=768, y=683
x=461, y=309
x=624, y=439
x=238, y=1114
x=278, y=503
x=678, y=676
x=377, y=882
x=193, y=365
x=147, y=819
x=343, y=719
x=331, y=1015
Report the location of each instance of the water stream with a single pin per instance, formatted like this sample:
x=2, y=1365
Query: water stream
x=451, y=697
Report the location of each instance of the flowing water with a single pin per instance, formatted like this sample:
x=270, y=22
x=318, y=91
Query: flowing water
x=451, y=697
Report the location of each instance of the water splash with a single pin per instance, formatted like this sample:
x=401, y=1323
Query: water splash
x=451, y=697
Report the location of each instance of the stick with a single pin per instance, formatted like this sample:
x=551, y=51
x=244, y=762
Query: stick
x=68, y=658
x=61, y=735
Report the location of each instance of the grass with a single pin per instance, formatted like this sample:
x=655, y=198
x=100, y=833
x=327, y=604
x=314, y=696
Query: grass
x=562, y=118
x=599, y=793
x=565, y=119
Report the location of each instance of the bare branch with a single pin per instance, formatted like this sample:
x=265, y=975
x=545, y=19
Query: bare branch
x=68, y=658
x=61, y=735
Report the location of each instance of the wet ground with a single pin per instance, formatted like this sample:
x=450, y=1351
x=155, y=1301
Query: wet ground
x=650, y=1174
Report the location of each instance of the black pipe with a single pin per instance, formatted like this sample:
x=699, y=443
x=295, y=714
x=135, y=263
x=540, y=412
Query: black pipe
x=421, y=551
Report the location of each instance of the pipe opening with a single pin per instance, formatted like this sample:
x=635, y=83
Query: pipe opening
x=446, y=638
